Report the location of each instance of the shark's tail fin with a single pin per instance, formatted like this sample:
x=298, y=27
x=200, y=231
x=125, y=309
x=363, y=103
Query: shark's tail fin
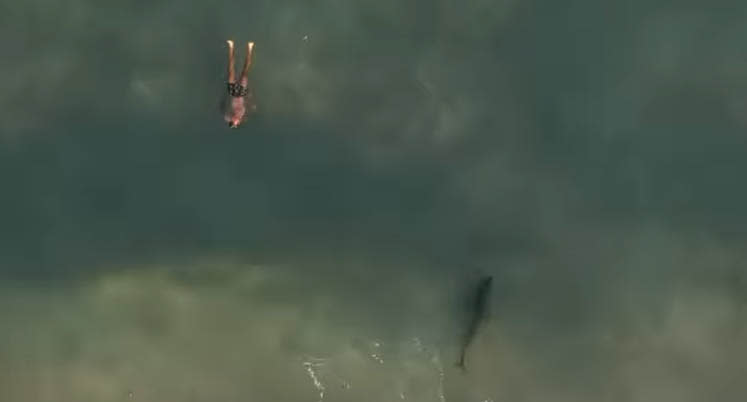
x=460, y=364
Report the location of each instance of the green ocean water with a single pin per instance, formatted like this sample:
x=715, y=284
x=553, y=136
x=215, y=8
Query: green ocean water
x=587, y=155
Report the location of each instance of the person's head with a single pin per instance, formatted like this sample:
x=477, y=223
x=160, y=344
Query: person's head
x=234, y=122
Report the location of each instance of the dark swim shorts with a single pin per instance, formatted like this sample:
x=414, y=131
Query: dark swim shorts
x=236, y=90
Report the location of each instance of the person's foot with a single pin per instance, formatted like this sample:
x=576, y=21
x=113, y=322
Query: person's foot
x=230, y=43
x=250, y=46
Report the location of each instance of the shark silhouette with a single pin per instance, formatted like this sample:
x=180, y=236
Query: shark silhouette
x=479, y=310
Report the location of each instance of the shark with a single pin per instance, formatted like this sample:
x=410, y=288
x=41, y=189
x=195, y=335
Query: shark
x=479, y=313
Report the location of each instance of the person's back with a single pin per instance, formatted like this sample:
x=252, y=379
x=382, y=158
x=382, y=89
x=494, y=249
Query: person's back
x=240, y=101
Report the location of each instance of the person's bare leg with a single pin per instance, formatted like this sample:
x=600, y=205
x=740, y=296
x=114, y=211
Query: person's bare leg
x=231, y=72
x=247, y=64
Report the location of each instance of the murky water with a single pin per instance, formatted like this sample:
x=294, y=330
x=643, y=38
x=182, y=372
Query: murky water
x=585, y=154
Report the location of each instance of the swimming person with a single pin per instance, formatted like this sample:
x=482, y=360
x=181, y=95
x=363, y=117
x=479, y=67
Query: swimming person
x=240, y=102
